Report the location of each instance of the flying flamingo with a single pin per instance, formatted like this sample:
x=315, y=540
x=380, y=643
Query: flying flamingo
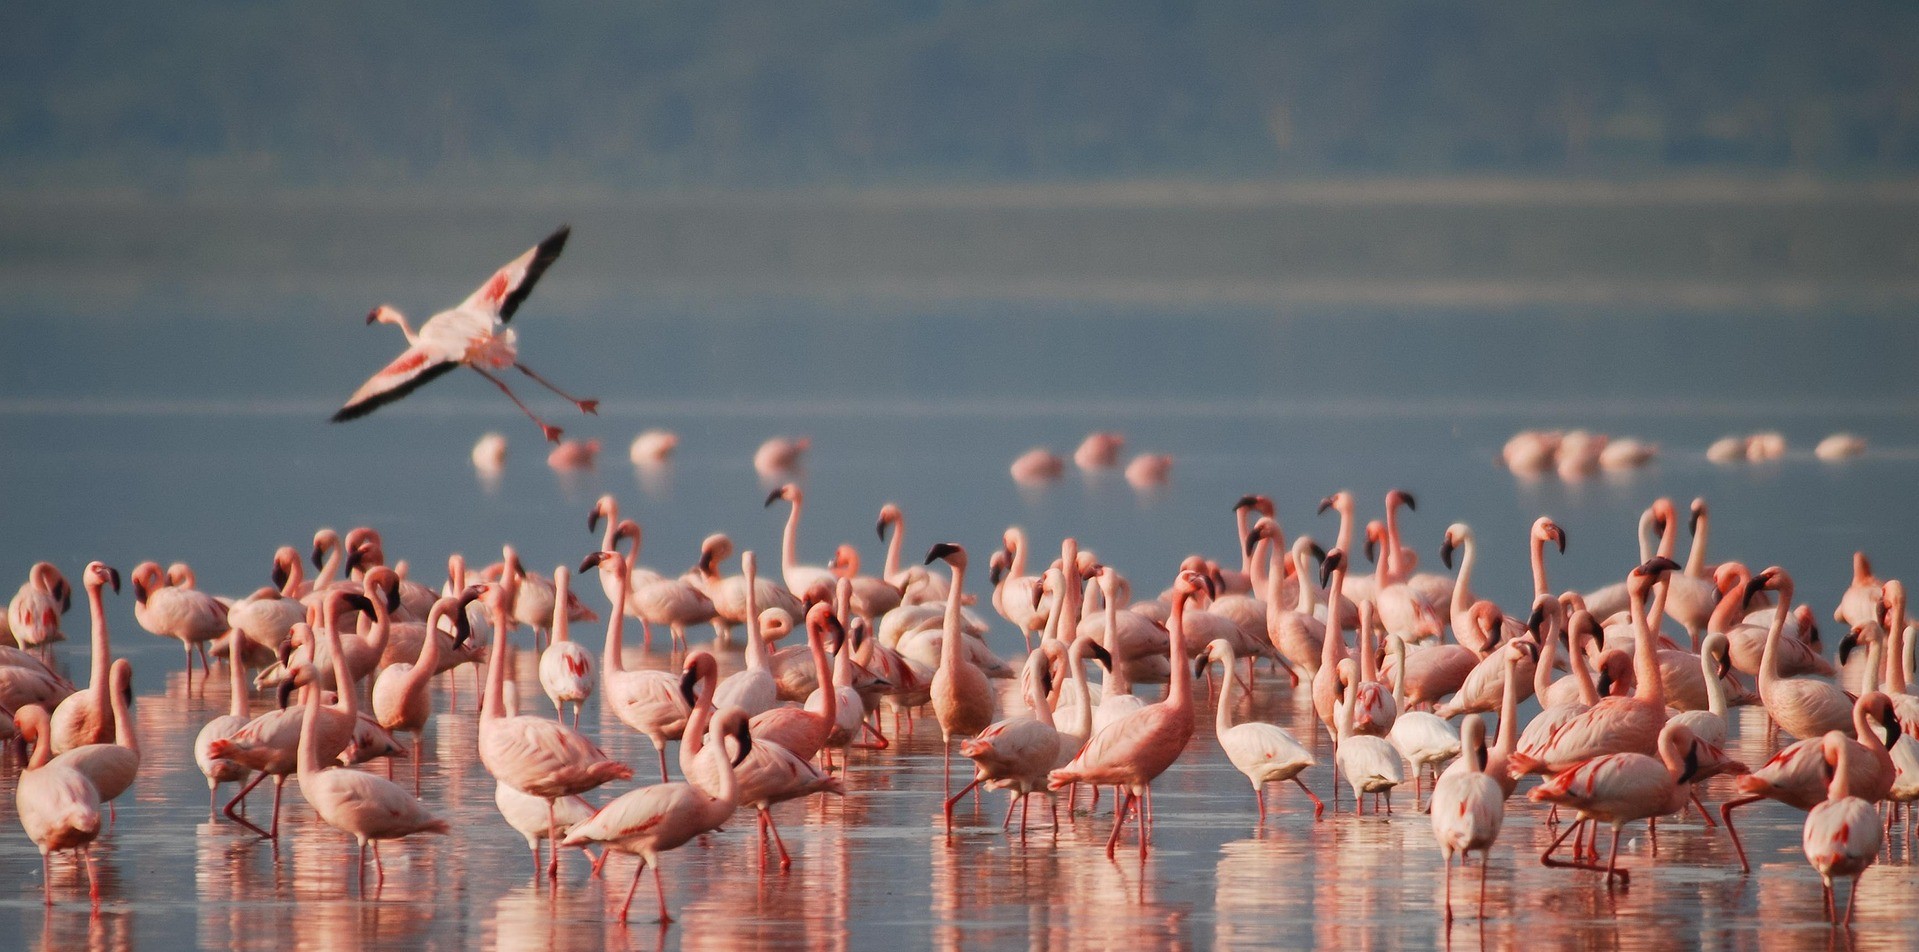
x=1133, y=751
x=1842, y=835
x=1265, y=753
x=533, y=755
x=646, y=700
x=1623, y=787
x=566, y=667
x=1468, y=808
x=86, y=716
x=652, y=820
x=401, y=701
x=370, y=807
x=57, y=805
x=963, y=698
x=473, y=335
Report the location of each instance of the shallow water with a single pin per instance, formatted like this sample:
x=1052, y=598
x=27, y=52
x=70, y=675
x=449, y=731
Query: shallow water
x=180, y=418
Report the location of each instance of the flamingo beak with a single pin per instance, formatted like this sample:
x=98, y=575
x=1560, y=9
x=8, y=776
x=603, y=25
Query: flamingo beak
x=592, y=559
x=1846, y=645
x=372, y=316
x=745, y=737
x=285, y=694
x=1325, y=504
x=318, y=552
x=688, y=680
x=1101, y=655
x=773, y=497
x=1246, y=502
x=881, y=529
x=941, y=550
x=1558, y=536
x=1446, y=552
x=113, y=578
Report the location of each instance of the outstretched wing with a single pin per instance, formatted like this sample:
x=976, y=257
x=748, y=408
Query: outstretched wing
x=502, y=293
x=407, y=373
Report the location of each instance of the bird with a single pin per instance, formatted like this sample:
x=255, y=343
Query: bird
x=1803, y=707
x=1134, y=750
x=1018, y=752
x=33, y=616
x=189, y=615
x=533, y=755
x=566, y=667
x=780, y=455
x=1369, y=762
x=401, y=701
x=798, y=577
x=1842, y=836
x=1265, y=753
x=112, y=764
x=86, y=715
x=219, y=770
x=652, y=820
x=57, y=805
x=526, y=813
x=653, y=447
x=754, y=689
x=1619, y=788
x=369, y=807
x=963, y=699
x=646, y=700
x=474, y=334
x=1469, y=806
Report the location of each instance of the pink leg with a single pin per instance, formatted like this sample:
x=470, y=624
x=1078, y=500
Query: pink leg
x=586, y=406
x=1319, y=807
x=631, y=888
x=660, y=887
x=786, y=861
x=1119, y=821
x=1725, y=813
x=552, y=433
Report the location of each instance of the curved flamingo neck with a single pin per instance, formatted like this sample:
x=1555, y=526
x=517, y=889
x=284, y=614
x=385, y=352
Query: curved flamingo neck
x=1588, y=691
x=1391, y=558
x=1018, y=566
x=296, y=578
x=1332, y=648
x=238, y=703
x=123, y=730
x=1509, y=704
x=758, y=658
x=308, y=758
x=1543, y=669
x=1645, y=534
x=1179, y=687
x=342, y=679
x=893, y=548
x=42, y=743
x=1308, y=592
x=1116, y=680
x=1841, y=786
x=790, y=543
x=1228, y=698
x=492, y=707
x=1669, y=538
x=1896, y=658
x=1769, y=661
x=1463, y=586
x=1715, y=688
x=1255, y=563
x=428, y=662
x=1540, y=586
x=1862, y=727
x=830, y=704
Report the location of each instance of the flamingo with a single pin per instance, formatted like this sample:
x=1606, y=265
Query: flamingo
x=1617, y=724
x=873, y=596
x=728, y=594
x=755, y=689
x=86, y=716
x=1425, y=739
x=1037, y=466
x=1469, y=806
x=1431, y=589
x=474, y=334
x=607, y=507
x=112, y=765
x=1796, y=776
x=1842, y=836
x=1804, y=707
x=798, y=577
x=33, y=616
x=1133, y=751
x=652, y=820
x=1861, y=600
x=1241, y=582
x=401, y=702
x=533, y=755
x=963, y=698
x=1265, y=753
x=646, y=700
x=527, y=813
x=219, y=770
x=653, y=447
x=566, y=668
x=780, y=455
x=1299, y=635
x=370, y=808
x=1099, y=450
x=768, y=774
x=1326, y=684
x=1017, y=753
x=1368, y=762
x=1620, y=788
x=268, y=615
x=57, y=805
x=915, y=583
x=191, y=616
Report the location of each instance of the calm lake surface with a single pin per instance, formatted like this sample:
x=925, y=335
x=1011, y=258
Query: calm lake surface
x=169, y=370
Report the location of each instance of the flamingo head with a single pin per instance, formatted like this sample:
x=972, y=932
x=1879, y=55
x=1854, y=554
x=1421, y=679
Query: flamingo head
x=147, y=579
x=846, y=561
x=890, y=515
x=323, y=541
x=99, y=575
x=1399, y=497
x=1257, y=503
x=789, y=492
x=1546, y=530
x=952, y=553
x=1264, y=530
x=1698, y=513
x=606, y=507
x=1335, y=561
x=386, y=582
x=698, y=666
x=384, y=314
x=1375, y=533
x=1456, y=536
x=713, y=550
x=1340, y=502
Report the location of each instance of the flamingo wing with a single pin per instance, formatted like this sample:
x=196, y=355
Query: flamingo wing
x=503, y=293
x=407, y=373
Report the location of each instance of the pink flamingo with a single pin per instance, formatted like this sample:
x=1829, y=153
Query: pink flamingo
x=473, y=334
x=112, y=765
x=1368, y=762
x=401, y=702
x=1326, y=683
x=369, y=807
x=526, y=813
x=1796, y=776
x=86, y=715
x=1842, y=835
x=1804, y=707
x=1861, y=600
x=798, y=577
x=57, y=805
x=219, y=770
x=33, y=616
x=191, y=616
x=533, y=755
x=963, y=698
x=1620, y=788
x=1265, y=753
x=755, y=689
x=566, y=667
x=652, y=820
x=646, y=700
x=780, y=455
x=1018, y=752
x=1131, y=752
x=1468, y=808
x=799, y=729
x=267, y=616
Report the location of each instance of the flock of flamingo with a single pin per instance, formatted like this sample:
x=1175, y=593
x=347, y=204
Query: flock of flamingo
x=1400, y=668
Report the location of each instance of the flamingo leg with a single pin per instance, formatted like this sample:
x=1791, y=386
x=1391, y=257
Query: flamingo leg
x=627, y=906
x=93, y=883
x=586, y=406
x=786, y=861
x=1126, y=798
x=660, y=748
x=552, y=433
x=1449, y=885
x=1319, y=806
x=239, y=799
x=956, y=798
x=1704, y=814
x=1259, y=797
x=379, y=868
x=1485, y=860
x=46, y=876
x=1725, y=813
x=1007, y=823
x=1546, y=858
x=279, y=787
x=1612, y=861
x=660, y=886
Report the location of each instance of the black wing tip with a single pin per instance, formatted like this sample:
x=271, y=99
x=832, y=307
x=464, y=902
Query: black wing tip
x=354, y=411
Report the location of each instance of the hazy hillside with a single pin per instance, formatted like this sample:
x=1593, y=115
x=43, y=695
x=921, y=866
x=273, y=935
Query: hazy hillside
x=221, y=93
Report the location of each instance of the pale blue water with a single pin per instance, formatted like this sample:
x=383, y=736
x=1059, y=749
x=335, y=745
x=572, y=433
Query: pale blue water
x=167, y=401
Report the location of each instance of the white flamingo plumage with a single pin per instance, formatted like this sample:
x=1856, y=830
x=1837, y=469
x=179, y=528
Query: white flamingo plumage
x=1265, y=753
x=86, y=715
x=566, y=667
x=57, y=805
x=1842, y=836
x=1468, y=808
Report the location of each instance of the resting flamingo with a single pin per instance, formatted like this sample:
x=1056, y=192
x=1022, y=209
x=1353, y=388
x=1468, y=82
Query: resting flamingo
x=1842, y=836
x=1469, y=806
x=191, y=616
x=566, y=667
x=1265, y=753
x=652, y=820
x=474, y=334
x=1135, y=750
x=33, y=616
